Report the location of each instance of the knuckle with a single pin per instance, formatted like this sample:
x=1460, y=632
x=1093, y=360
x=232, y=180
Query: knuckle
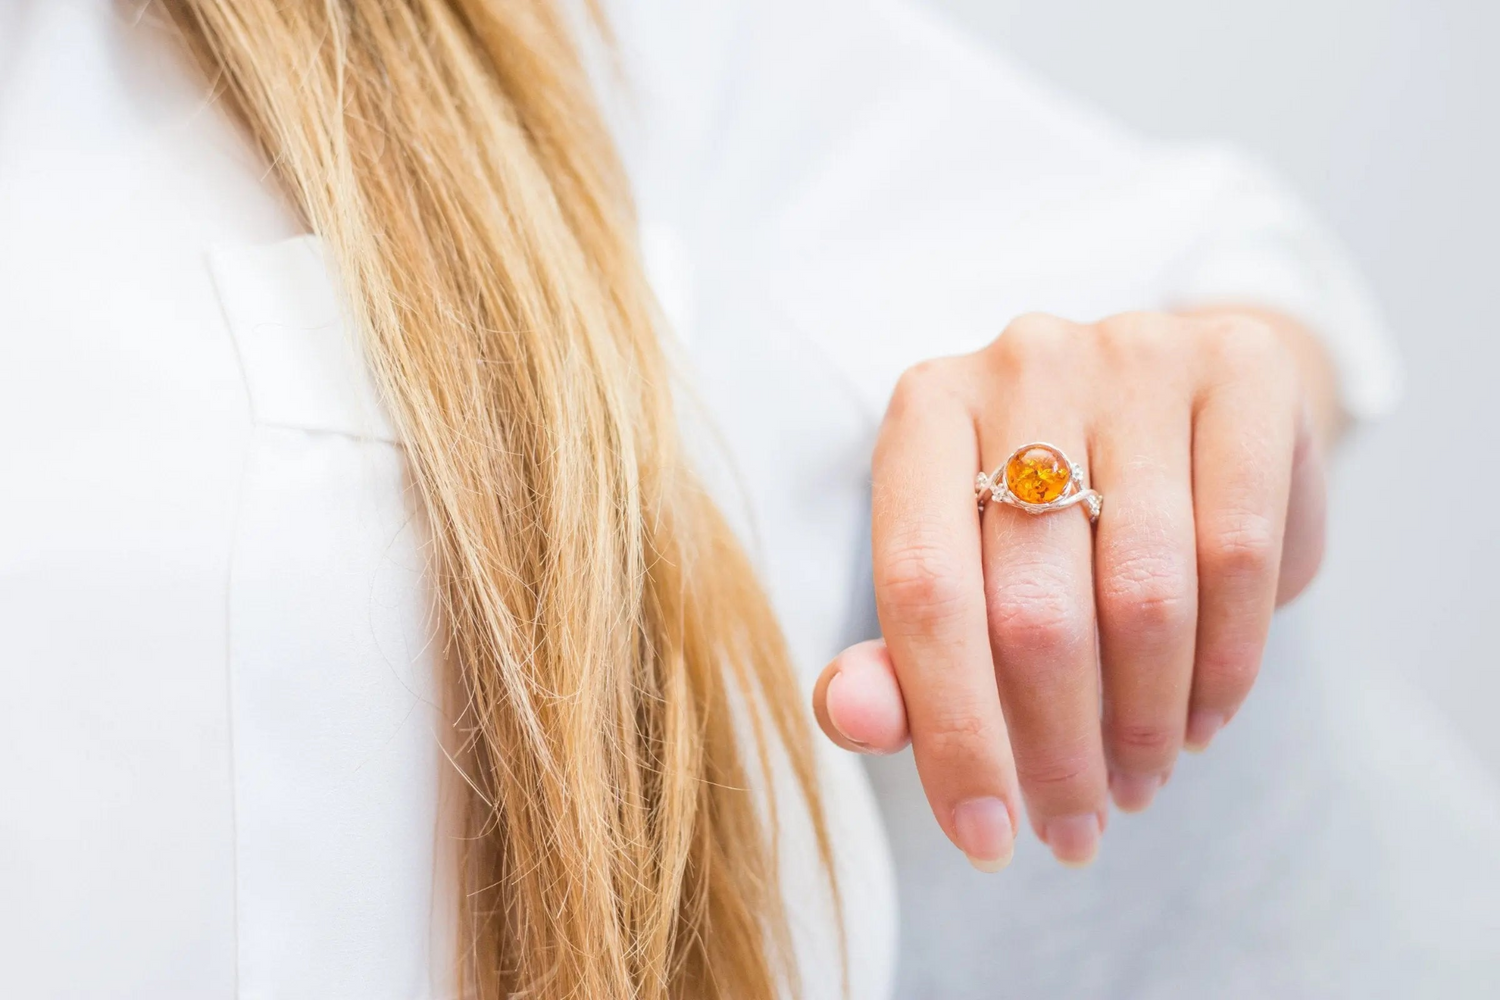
x=1061, y=771
x=1243, y=341
x=1147, y=592
x=1226, y=675
x=1135, y=331
x=956, y=739
x=921, y=584
x=922, y=377
x=1035, y=325
x=922, y=383
x=1144, y=740
x=1241, y=545
x=1035, y=611
x=1246, y=331
x=1031, y=338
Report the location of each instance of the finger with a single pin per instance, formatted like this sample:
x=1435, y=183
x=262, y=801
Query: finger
x=1146, y=592
x=1243, y=444
x=929, y=596
x=1306, y=518
x=1040, y=603
x=1038, y=585
x=858, y=702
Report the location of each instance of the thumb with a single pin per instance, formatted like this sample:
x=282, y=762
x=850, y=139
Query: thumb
x=858, y=701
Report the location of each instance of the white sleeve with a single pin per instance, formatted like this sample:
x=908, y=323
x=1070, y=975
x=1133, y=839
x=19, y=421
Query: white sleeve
x=901, y=191
x=1257, y=245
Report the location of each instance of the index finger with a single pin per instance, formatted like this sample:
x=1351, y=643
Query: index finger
x=929, y=593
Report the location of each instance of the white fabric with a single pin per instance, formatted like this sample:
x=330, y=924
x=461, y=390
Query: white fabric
x=219, y=763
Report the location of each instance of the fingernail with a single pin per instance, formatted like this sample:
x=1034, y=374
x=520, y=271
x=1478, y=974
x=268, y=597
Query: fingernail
x=1074, y=839
x=1201, y=729
x=1134, y=792
x=828, y=701
x=984, y=833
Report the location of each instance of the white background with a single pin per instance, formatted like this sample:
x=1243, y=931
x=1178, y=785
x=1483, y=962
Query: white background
x=1382, y=115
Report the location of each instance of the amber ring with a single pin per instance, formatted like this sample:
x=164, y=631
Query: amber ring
x=1039, y=479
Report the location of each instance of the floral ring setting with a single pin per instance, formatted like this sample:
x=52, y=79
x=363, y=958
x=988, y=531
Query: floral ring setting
x=1039, y=479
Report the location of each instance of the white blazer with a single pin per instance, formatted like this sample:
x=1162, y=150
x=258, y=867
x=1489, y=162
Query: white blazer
x=219, y=763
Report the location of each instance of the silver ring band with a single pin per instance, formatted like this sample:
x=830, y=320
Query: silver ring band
x=1039, y=479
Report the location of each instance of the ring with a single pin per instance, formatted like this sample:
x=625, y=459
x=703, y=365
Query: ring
x=1038, y=478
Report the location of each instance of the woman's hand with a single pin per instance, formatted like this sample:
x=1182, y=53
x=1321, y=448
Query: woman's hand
x=1201, y=433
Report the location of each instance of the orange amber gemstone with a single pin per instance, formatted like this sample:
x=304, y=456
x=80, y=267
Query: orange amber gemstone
x=1037, y=474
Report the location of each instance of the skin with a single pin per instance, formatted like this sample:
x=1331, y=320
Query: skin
x=1031, y=661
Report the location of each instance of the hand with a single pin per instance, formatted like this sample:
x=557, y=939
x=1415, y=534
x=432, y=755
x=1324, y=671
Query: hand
x=1201, y=433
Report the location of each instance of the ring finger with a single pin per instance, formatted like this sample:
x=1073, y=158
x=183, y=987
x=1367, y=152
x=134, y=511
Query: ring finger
x=1040, y=602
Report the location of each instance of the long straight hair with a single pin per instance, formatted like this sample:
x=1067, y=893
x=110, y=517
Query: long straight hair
x=623, y=683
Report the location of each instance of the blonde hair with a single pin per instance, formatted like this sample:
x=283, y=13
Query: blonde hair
x=604, y=626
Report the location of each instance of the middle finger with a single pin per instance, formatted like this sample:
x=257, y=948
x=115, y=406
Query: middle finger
x=1146, y=591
